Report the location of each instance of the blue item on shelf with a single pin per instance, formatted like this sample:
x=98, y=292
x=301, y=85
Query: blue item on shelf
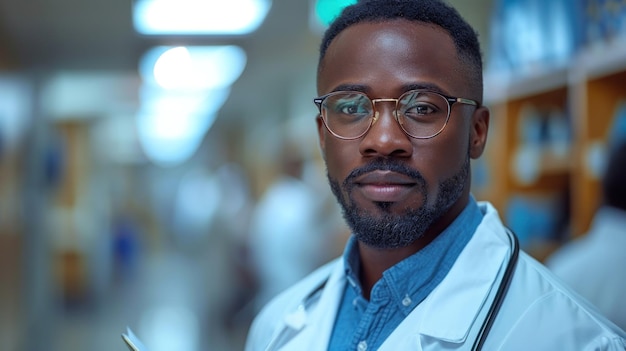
x=534, y=219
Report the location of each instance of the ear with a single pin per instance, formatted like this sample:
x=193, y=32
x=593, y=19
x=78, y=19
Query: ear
x=478, y=132
x=321, y=133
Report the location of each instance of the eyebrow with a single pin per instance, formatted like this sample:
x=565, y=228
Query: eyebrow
x=424, y=86
x=351, y=87
x=414, y=86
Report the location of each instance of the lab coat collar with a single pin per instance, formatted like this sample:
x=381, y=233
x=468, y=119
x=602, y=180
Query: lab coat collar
x=452, y=309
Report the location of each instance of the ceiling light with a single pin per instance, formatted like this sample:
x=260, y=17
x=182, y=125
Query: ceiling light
x=199, y=17
x=193, y=68
x=171, y=125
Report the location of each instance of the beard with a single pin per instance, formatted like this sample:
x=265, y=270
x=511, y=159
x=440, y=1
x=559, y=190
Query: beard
x=391, y=230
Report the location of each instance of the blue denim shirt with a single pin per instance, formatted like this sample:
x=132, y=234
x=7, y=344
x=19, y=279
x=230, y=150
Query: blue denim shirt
x=363, y=325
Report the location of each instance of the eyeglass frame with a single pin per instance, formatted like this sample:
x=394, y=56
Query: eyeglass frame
x=451, y=100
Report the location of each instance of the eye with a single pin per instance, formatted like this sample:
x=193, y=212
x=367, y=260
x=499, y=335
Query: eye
x=420, y=109
x=352, y=108
x=353, y=105
x=423, y=105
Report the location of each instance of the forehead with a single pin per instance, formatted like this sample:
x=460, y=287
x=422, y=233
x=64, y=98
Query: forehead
x=389, y=55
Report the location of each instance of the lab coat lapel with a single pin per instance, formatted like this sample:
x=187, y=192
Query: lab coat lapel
x=449, y=314
x=317, y=325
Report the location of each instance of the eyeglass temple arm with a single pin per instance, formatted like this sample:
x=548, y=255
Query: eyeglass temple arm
x=463, y=101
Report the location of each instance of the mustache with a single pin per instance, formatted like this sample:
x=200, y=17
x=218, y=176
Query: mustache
x=384, y=164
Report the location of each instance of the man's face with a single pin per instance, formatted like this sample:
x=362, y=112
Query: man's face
x=394, y=188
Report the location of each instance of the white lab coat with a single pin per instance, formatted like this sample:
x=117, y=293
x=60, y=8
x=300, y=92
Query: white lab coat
x=538, y=313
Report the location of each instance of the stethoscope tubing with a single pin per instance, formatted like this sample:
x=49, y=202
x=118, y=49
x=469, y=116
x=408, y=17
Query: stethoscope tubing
x=500, y=294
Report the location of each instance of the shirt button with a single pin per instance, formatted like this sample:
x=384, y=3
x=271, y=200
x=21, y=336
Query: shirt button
x=362, y=346
x=406, y=301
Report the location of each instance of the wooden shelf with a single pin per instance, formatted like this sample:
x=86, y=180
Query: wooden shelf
x=506, y=87
x=588, y=91
x=603, y=95
x=600, y=60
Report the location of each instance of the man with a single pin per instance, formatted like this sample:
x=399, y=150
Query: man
x=593, y=265
x=400, y=85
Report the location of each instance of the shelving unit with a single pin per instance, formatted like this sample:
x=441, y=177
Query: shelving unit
x=587, y=93
x=599, y=85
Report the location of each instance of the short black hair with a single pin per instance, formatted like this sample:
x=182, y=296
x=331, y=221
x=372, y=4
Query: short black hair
x=614, y=181
x=426, y=11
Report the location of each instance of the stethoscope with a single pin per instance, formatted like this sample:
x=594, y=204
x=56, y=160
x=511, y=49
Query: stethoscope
x=289, y=331
x=500, y=294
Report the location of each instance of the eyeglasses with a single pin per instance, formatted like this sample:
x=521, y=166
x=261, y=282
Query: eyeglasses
x=421, y=114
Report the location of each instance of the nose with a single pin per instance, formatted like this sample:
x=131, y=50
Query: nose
x=385, y=137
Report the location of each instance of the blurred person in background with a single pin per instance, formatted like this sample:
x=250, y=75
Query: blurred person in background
x=594, y=264
x=287, y=229
x=427, y=266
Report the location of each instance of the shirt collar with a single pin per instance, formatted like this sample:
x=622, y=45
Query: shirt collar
x=412, y=279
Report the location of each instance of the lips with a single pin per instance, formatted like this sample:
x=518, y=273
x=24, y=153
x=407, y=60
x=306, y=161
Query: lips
x=385, y=186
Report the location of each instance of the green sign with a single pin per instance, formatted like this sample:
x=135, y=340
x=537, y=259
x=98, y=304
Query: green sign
x=327, y=10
